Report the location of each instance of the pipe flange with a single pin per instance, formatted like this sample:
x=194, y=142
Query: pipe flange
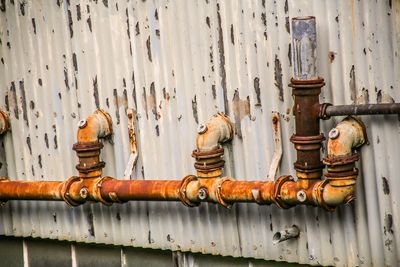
x=218, y=190
x=65, y=191
x=319, y=195
x=307, y=84
x=211, y=166
x=340, y=160
x=97, y=191
x=276, y=197
x=4, y=179
x=182, y=191
x=208, y=154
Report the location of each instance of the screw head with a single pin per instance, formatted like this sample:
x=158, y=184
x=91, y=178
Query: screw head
x=202, y=129
x=202, y=194
x=334, y=133
x=83, y=192
x=301, y=196
x=82, y=124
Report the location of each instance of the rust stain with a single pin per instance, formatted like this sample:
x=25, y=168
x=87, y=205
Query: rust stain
x=241, y=109
x=148, y=46
x=257, y=91
x=352, y=84
x=385, y=186
x=194, y=110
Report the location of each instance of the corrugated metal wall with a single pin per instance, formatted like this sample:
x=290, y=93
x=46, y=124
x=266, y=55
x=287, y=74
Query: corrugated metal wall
x=176, y=63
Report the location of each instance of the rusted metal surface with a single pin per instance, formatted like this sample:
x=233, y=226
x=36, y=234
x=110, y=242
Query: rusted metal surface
x=30, y=190
x=53, y=80
x=329, y=110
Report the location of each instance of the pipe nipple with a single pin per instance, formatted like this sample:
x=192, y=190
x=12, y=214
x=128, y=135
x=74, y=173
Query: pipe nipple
x=289, y=233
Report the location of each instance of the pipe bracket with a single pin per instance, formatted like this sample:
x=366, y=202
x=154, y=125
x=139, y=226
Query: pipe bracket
x=97, y=191
x=218, y=190
x=318, y=193
x=182, y=191
x=65, y=191
x=276, y=197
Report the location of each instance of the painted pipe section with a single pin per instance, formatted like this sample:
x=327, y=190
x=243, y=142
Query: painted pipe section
x=304, y=39
x=217, y=130
x=328, y=110
x=286, y=234
x=348, y=135
x=98, y=125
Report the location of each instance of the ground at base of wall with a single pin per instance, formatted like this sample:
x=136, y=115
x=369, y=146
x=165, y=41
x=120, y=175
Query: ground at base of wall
x=35, y=252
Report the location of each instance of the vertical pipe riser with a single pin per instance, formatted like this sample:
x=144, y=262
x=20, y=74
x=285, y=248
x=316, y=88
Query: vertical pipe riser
x=306, y=90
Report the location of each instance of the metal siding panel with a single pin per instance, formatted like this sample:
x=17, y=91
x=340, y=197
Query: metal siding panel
x=177, y=63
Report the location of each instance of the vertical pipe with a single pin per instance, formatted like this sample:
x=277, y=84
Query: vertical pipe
x=306, y=90
x=304, y=48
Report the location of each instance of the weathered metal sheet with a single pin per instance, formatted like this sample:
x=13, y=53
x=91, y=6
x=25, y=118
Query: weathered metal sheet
x=176, y=63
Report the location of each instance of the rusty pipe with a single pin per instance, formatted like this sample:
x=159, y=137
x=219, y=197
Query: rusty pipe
x=328, y=110
x=30, y=190
x=306, y=86
x=98, y=125
x=95, y=126
x=284, y=193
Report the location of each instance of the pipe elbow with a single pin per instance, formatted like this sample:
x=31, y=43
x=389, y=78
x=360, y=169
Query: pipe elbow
x=348, y=135
x=337, y=195
x=97, y=125
x=217, y=130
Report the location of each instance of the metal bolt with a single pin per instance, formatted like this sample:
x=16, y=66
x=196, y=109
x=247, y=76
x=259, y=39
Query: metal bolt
x=202, y=129
x=83, y=192
x=301, y=196
x=202, y=194
x=82, y=124
x=334, y=133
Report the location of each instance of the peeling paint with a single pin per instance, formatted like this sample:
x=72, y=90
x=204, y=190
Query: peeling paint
x=278, y=77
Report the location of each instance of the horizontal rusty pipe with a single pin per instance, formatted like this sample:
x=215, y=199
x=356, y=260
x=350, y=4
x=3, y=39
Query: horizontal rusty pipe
x=216, y=190
x=328, y=110
x=30, y=190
